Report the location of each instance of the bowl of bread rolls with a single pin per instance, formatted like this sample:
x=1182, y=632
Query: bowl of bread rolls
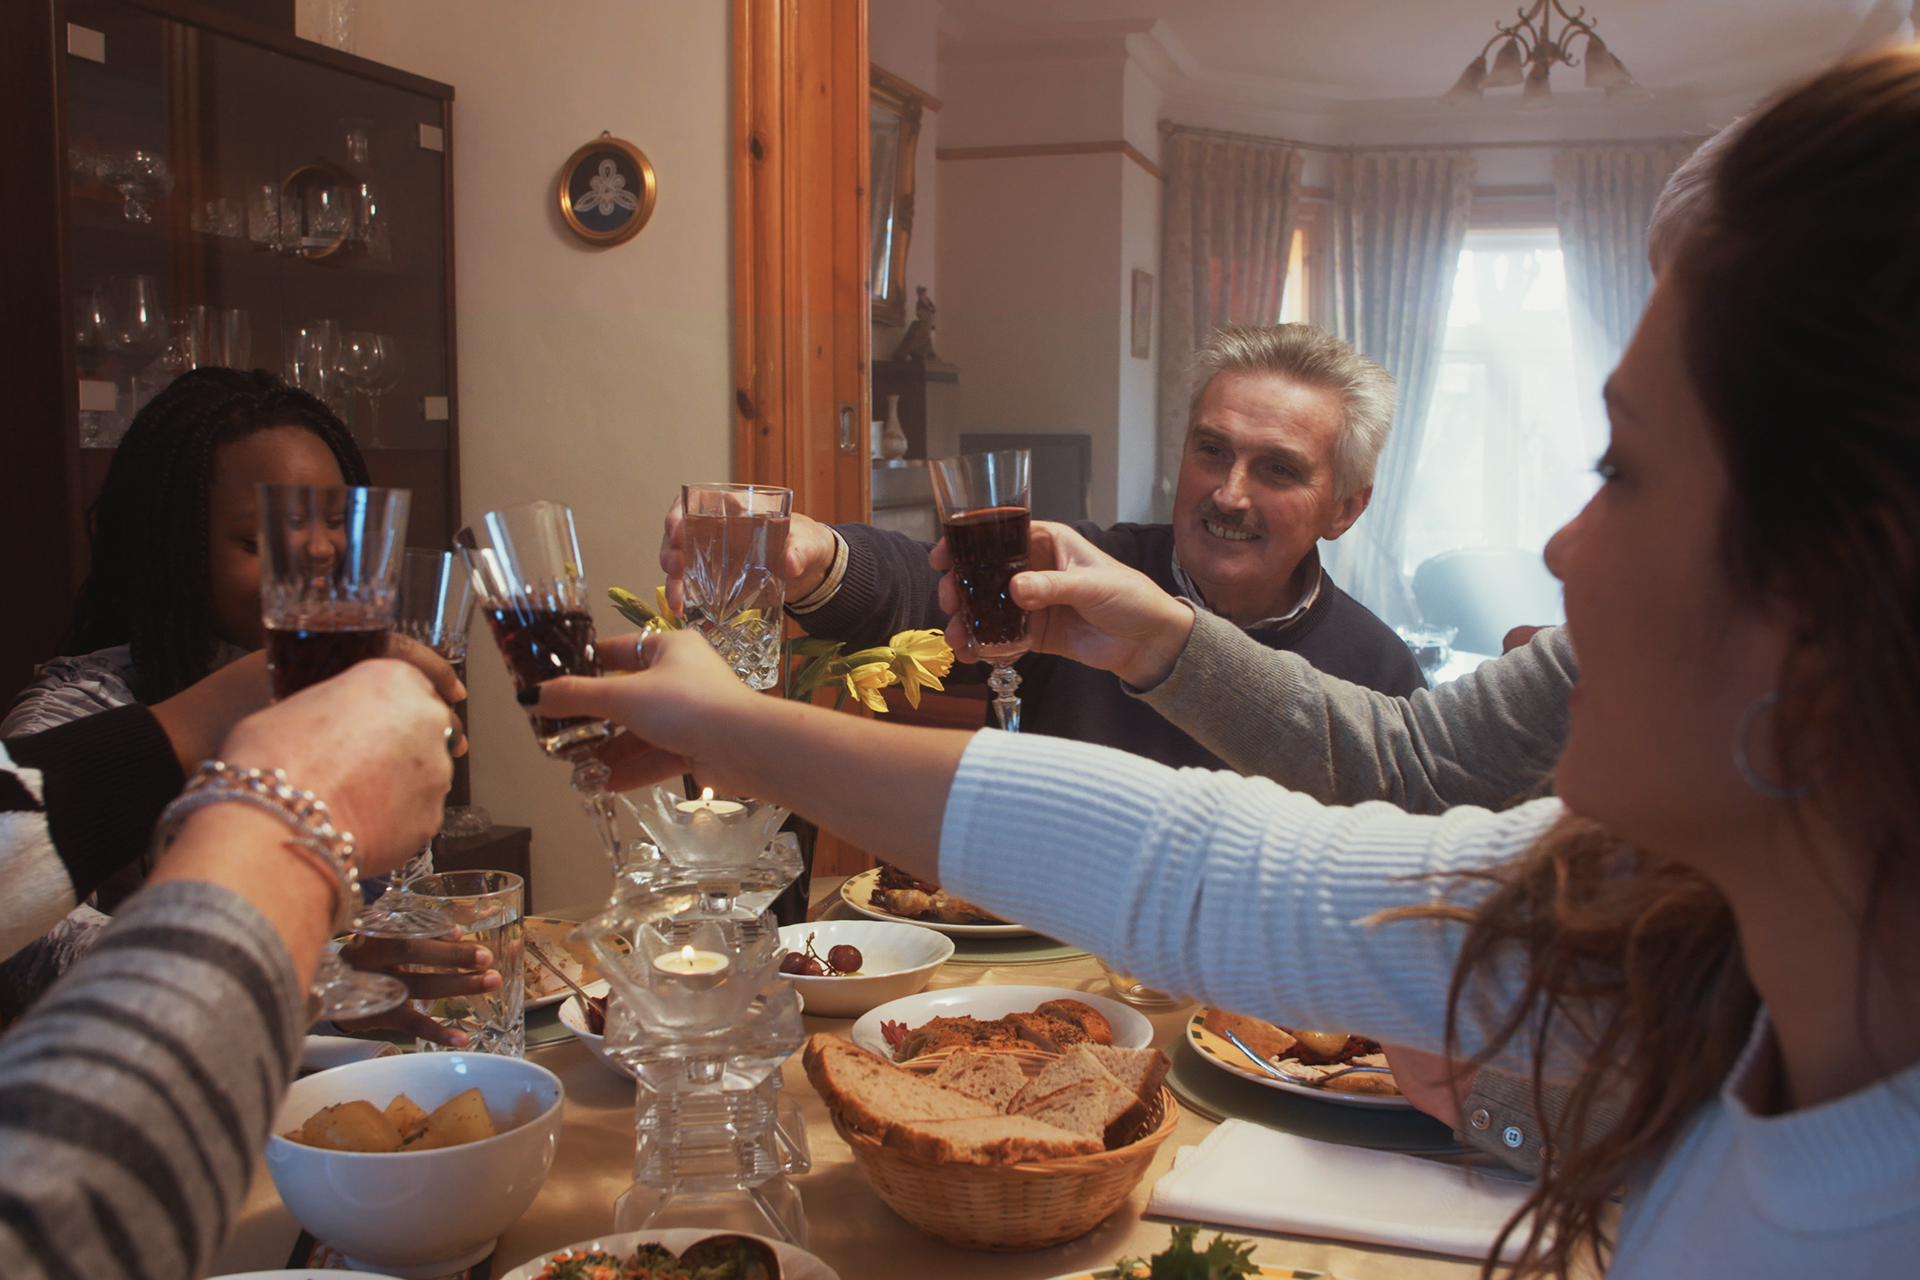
x=998, y=1148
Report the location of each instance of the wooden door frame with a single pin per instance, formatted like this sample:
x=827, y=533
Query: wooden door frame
x=802, y=393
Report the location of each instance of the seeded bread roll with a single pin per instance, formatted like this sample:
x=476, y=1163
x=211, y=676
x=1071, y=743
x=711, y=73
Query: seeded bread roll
x=1082, y=1015
x=1046, y=1033
x=993, y=1078
x=994, y=1140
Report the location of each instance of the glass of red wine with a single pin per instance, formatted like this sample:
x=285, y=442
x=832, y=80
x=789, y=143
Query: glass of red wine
x=985, y=505
x=328, y=560
x=526, y=570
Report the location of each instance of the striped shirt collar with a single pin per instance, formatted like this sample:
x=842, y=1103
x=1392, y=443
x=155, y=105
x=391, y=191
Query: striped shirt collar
x=1191, y=590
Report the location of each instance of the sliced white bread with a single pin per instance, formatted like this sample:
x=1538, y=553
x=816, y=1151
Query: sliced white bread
x=875, y=1095
x=1102, y=1108
x=993, y=1140
x=993, y=1078
x=1141, y=1070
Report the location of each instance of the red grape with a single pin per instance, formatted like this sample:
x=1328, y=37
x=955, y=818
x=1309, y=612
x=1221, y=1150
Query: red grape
x=845, y=958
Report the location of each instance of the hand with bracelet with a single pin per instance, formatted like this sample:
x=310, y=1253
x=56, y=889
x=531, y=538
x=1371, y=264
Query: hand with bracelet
x=372, y=745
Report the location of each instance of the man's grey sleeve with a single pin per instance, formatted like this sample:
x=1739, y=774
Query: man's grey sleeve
x=1489, y=738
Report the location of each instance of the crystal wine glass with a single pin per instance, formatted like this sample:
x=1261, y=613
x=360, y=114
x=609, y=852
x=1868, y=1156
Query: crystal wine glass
x=328, y=557
x=139, y=176
x=526, y=569
x=735, y=538
x=985, y=505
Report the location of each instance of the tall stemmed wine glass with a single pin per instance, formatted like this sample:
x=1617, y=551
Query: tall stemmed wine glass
x=985, y=506
x=433, y=605
x=525, y=563
x=328, y=560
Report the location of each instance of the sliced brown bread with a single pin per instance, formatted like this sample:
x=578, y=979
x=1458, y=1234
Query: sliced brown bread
x=1082, y=1015
x=1076, y=1066
x=1046, y=1033
x=994, y=1078
x=995, y=1140
x=876, y=1095
x=1141, y=1070
x=1102, y=1108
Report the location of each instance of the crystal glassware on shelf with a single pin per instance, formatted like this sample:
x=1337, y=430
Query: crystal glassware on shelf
x=263, y=214
x=139, y=320
x=701, y=1018
x=233, y=338
x=487, y=907
x=139, y=176
x=985, y=506
x=370, y=364
x=527, y=576
x=312, y=358
x=735, y=542
x=328, y=560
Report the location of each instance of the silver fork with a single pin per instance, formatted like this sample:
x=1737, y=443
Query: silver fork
x=1315, y=1082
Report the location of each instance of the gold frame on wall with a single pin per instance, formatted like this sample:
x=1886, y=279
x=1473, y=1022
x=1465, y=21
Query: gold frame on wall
x=891, y=93
x=645, y=198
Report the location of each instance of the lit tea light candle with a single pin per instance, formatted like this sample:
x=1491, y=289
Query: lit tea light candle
x=707, y=804
x=687, y=962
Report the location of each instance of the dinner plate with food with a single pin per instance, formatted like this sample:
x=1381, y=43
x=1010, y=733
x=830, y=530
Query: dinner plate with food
x=888, y=893
x=1317, y=1062
x=676, y=1255
x=1044, y=1018
x=575, y=959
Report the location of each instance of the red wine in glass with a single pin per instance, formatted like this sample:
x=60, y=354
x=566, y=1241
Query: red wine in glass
x=313, y=651
x=540, y=644
x=988, y=547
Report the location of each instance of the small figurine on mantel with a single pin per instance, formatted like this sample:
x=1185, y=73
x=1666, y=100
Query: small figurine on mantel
x=917, y=343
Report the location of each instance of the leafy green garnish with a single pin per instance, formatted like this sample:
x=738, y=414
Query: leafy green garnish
x=1223, y=1259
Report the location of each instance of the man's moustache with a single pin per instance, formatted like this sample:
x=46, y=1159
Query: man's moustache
x=1233, y=525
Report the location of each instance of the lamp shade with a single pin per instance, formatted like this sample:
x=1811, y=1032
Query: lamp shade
x=1538, y=92
x=1467, y=87
x=1604, y=71
x=1507, y=66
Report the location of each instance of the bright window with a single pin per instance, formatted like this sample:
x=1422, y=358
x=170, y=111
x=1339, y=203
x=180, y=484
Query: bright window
x=1505, y=459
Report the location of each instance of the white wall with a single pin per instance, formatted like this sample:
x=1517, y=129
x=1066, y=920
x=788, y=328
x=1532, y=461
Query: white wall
x=1037, y=255
x=596, y=377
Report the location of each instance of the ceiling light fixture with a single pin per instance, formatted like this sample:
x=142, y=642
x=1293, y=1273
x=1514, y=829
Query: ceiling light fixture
x=1528, y=50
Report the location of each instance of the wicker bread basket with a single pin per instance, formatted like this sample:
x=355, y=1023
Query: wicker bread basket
x=1009, y=1208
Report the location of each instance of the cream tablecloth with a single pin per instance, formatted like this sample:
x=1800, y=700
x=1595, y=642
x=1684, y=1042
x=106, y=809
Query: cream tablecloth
x=852, y=1230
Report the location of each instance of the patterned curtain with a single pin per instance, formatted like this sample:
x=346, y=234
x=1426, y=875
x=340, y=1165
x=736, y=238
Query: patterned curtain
x=1230, y=212
x=1603, y=199
x=1397, y=225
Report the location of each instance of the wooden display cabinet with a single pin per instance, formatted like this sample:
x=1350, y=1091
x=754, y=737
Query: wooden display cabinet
x=231, y=107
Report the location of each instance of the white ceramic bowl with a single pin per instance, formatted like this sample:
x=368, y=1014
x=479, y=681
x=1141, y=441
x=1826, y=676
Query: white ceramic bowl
x=419, y=1213
x=574, y=1019
x=896, y=960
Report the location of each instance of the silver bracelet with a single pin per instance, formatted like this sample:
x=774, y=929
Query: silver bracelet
x=217, y=782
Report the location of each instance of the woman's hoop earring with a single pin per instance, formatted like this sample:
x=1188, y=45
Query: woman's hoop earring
x=1744, y=763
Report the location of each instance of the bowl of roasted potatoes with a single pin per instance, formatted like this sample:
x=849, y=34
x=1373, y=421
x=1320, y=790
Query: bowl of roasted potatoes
x=412, y=1165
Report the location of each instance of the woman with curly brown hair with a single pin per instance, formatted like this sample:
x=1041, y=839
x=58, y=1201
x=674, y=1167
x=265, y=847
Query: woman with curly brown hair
x=1715, y=926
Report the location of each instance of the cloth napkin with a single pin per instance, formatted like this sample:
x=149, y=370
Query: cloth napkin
x=322, y=1052
x=1246, y=1175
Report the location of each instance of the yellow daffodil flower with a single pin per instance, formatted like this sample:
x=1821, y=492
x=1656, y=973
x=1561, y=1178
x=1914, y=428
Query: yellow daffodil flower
x=867, y=680
x=920, y=658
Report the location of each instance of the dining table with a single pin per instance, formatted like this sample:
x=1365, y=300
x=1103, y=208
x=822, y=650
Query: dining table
x=851, y=1229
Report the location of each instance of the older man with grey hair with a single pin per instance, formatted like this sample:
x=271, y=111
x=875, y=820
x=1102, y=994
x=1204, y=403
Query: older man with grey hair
x=1285, y=428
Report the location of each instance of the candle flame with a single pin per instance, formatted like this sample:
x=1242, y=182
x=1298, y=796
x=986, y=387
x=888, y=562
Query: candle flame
x=706, y=794
x=686, y=953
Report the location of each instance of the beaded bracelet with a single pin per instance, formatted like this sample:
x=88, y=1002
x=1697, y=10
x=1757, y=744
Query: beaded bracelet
x=217, y=782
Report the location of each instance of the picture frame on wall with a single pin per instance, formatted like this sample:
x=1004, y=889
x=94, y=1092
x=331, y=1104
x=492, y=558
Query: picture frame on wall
x=607, y=191
x=1142, y=314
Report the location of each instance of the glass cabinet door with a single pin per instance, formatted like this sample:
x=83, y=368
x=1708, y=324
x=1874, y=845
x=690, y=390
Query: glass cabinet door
x=234, y=205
